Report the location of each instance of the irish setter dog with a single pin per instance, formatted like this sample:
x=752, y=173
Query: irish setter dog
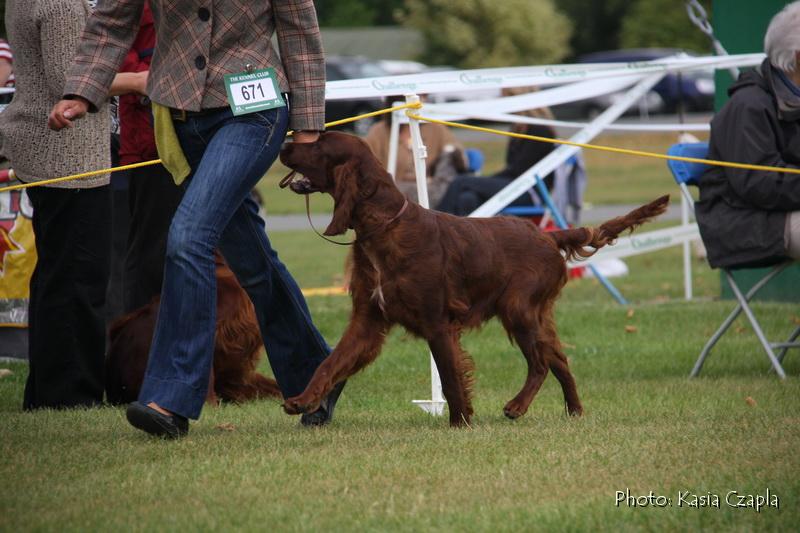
x=237, y=348
x=438, y=274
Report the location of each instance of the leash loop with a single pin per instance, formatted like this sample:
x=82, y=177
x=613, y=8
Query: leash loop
x=287, y=179
x=357, y=239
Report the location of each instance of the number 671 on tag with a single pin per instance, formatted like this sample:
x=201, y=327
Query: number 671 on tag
x=253, y=91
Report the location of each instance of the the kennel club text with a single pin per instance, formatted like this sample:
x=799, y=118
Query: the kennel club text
x=687, y=498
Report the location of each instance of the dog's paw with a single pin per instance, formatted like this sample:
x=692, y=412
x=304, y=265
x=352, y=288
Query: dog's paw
x=513, y=411
x=293, y=407
x=575, y=410
x=298, y=406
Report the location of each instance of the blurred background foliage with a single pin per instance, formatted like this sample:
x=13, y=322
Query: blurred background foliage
x=484, y=33
x=528, y=31
x=480, y=33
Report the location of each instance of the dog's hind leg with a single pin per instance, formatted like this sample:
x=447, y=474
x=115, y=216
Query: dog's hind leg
x=557, y=361
x=537, y=371
x=560, y=369
x=455, y=368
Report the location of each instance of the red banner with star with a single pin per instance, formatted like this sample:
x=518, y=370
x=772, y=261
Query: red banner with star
x=17, y=254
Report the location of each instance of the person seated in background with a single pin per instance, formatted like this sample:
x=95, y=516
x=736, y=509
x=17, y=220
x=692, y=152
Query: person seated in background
x=467, y=193
x=752, y=217
x=446, y=157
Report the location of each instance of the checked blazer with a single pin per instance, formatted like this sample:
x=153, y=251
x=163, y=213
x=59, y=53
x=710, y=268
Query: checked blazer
x=197, y=43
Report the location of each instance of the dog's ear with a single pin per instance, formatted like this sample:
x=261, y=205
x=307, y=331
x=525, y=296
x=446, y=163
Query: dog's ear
x=345, y=192
x=368, y=178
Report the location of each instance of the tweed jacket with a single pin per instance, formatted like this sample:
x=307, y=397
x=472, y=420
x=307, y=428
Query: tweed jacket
x=198, y=42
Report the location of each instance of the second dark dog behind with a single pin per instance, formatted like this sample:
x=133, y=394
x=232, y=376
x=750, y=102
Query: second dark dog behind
x=237, y=348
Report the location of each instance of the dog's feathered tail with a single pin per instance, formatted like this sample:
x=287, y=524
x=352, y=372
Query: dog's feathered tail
x=584, y=242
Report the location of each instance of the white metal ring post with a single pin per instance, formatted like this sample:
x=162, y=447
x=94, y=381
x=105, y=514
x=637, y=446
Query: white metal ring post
x=394, y=141
x=435, y=405
x=687, y=253
x=420, y=153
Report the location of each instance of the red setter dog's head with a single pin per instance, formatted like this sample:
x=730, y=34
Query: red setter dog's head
x=341, y=165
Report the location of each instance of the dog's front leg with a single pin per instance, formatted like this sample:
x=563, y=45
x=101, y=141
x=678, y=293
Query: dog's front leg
x=359, y=346
x=455, y=369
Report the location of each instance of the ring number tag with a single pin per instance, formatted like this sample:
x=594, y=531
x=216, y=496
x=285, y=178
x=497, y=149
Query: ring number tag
x=249, y=92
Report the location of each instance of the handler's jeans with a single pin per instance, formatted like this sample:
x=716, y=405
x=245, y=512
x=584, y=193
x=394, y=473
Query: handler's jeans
x=228, y=156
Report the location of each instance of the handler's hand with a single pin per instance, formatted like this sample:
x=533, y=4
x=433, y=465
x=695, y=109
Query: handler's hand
x=65, y=111
x=305, y=136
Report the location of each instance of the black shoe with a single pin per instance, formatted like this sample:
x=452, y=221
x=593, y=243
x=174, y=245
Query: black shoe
x=151, y=421
x=324, y=414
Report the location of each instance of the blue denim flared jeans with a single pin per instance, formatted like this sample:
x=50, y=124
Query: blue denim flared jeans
x=228, y=156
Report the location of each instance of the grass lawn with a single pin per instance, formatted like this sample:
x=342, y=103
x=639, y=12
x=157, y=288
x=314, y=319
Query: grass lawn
x=385, y=465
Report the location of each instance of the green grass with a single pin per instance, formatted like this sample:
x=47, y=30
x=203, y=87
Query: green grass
x=386, y=465
x=612, y=178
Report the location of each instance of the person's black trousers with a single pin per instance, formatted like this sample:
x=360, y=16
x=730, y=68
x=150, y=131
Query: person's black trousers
x=66, y=326
x=120, y=224
x=153, y=198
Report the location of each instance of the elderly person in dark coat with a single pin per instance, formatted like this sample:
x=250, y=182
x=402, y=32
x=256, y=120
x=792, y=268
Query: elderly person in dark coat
x=752, y=217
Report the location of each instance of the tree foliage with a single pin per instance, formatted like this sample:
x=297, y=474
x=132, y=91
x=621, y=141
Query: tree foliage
x=612, y=24
x=663, y=23
x=597, y=23
x=349, y=13
x=488, y=33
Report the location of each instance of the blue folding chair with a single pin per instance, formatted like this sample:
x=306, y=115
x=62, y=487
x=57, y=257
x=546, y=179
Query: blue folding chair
x=689, y=174
x=474, y=161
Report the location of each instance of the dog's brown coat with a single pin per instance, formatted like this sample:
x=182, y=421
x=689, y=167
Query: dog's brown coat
x=237, y=348
x=438, y=274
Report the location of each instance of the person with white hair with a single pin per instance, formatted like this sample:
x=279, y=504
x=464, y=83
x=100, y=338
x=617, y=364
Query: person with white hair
x=752, y=217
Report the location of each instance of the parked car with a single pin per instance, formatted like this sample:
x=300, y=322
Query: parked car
x=353, y=67
x=397, y=67
x=694, y=88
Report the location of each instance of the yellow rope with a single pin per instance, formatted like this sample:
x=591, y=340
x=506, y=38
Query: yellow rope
x=607, y=148
x=79, y=176
x=415, y=105
x=418, y=105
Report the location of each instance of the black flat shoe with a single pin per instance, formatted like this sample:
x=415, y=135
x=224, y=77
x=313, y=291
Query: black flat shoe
x=324, y=414
x=151, y=421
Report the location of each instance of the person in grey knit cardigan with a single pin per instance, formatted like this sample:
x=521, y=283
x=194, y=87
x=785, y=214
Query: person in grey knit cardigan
x=70, y=219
